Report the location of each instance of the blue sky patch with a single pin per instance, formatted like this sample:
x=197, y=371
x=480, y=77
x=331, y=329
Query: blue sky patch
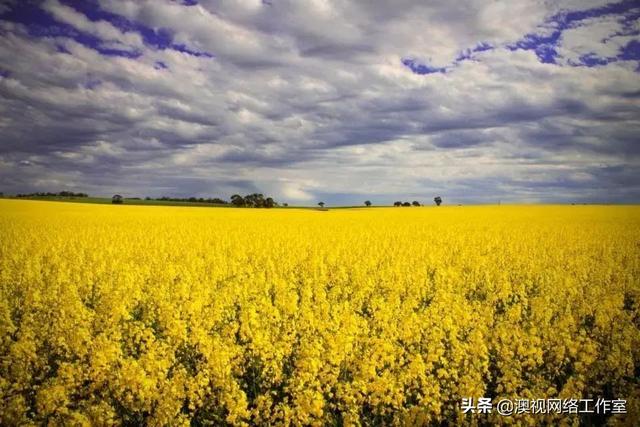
x=631, y=52
x=40, y=23
x=545, y=45
x=419, y=68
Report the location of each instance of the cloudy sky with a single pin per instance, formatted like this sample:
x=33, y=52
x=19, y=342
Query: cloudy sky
x=334, y=100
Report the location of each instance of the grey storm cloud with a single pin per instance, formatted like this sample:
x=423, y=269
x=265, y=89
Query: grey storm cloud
x=316, y=100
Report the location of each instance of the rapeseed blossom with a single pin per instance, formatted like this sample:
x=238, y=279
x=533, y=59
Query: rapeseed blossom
x=171, y=315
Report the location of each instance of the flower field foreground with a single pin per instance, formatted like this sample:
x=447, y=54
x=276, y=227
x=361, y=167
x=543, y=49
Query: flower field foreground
x=383, y=316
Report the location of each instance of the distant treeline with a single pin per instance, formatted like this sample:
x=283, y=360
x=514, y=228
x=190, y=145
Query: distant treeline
x=437, y=200
x=414, y=203
x=60, y=194
x=213, y=200
x=255, y=200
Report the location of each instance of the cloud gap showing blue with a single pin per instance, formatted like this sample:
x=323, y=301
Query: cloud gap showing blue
x=419, y=68
x=468, y=54
x=159, y=65
x=40, y=23
x=545, y=45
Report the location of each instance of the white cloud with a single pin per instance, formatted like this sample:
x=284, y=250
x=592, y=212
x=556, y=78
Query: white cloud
x=596, y=36
x=301, y=100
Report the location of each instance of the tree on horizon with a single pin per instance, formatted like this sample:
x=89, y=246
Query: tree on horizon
x=269, y=202
x=237, y=200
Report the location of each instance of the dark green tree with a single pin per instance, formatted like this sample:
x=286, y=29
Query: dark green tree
x=255, y=200
x=237, y=200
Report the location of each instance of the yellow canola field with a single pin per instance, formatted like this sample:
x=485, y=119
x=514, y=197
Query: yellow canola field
x=381, y=316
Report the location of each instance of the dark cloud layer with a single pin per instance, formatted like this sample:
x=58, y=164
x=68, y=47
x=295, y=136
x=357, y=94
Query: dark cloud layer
x=336, y=100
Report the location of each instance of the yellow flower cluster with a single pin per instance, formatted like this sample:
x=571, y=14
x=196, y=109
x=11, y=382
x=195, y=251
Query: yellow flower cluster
x=171, y=316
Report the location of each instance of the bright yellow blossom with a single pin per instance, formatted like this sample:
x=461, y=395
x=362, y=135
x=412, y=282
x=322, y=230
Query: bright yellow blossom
x=172, y=315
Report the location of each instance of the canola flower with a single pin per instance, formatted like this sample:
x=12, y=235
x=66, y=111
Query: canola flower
x=116, y=315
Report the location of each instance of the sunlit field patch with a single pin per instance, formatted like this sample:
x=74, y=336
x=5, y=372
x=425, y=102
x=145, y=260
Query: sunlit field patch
x=172, y=315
